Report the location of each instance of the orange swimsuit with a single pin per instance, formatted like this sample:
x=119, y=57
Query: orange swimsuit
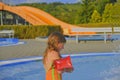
x=53, y=74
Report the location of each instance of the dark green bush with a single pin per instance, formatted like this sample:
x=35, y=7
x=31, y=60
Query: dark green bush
x=31, y=32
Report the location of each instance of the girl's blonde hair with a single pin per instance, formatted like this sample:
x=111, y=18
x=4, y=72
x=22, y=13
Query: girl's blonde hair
x=53, y=40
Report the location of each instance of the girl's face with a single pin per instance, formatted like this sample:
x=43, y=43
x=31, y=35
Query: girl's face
x=60, y=46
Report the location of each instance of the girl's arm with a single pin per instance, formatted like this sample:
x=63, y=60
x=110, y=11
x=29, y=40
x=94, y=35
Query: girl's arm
x=68, y=70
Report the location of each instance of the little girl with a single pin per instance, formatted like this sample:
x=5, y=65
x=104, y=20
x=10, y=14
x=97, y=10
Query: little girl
x=56, y=42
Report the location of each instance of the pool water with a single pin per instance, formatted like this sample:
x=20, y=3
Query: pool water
x=103, y=67
x=10, y=42
x=99, y=66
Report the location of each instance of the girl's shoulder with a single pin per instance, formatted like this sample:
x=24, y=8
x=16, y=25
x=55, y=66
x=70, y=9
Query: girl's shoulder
x=54, y=54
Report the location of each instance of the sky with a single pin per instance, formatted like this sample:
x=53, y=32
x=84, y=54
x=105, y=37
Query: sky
x=13, y=2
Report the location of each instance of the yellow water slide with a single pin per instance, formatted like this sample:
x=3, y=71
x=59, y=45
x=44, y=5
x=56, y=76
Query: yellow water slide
x=37, y=17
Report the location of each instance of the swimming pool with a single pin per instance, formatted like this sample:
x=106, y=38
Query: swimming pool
x=10, y=42
x=95, y=66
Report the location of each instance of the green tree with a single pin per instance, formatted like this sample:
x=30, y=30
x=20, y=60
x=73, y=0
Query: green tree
x=118, y=1
x=100, y=5
x=95, y=17
x=115, y=14
x=87, y=10
x=107, y=14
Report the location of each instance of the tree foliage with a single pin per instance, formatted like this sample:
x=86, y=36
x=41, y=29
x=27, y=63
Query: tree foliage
x=107, y=16
x=87, y=11
x=95, y=18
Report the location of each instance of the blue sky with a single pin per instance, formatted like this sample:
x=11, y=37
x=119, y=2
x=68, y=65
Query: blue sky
x=12, y=2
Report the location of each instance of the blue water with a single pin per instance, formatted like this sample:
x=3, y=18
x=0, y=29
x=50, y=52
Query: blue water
x=100, y=66
x=10, y=42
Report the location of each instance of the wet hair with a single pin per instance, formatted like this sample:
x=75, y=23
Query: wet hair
x=53, y=40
